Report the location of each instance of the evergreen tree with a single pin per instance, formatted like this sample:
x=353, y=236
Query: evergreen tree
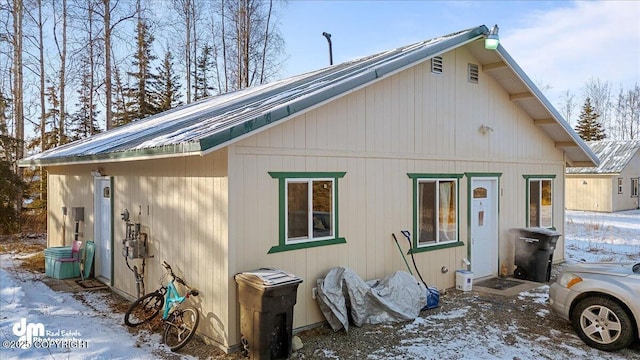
x=202, y=87
x=52, y=135
x=84, y=122
x=167, y=85
x=10, y=185
x=121, y=114
x=588, y=126
x=141, y=99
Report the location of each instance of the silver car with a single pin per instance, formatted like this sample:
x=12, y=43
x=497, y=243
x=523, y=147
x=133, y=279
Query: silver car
x=602, y=301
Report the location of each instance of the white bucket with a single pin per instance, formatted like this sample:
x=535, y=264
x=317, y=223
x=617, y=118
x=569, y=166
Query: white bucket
x=464, y=280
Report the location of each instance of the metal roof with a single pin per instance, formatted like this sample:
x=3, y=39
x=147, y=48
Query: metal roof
x=215, y=122
x=614, y=156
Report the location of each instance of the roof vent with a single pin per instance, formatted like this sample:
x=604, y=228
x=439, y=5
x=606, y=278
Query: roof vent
x=436, y=65
x=473, y=73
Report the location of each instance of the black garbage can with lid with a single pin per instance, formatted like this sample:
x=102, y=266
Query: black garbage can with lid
x=534, y=253
x=267, y=297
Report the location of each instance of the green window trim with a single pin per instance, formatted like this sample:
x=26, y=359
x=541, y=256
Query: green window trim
x=416, y=177
x=416, y=250
x=528, y=179
x=282, y=188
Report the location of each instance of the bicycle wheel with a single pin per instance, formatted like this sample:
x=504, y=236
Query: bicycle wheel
x=180, y=327
x=144, y=309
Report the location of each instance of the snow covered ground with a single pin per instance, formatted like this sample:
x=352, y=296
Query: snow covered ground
x=71, y=328
x=594, y=237
x=66, y=327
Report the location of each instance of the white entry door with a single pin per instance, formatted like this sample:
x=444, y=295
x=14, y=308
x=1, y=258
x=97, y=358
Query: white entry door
x=484, y=227
x=102, y=229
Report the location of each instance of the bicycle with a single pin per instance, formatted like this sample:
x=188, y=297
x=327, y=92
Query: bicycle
x=180, y=323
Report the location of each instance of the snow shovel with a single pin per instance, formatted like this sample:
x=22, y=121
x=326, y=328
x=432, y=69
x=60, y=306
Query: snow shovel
x=433, y=295
x=401, y=253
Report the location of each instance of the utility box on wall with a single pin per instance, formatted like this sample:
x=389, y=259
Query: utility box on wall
x=77, y=213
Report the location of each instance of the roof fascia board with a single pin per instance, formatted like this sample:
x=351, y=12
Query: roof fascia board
x=296, y=107
x=592, y=174
x=178, y=150
x=554, y=113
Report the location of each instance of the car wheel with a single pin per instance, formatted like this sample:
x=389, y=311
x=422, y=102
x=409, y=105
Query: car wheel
x=602, y=323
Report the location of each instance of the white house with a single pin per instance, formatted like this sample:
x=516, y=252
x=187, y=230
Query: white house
x=610, y=186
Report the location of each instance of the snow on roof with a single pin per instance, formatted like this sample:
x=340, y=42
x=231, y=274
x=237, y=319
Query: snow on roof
x=614, y=156
x=193, y=128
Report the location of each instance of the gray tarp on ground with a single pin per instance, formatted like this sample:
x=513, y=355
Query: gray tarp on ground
x=398, y=297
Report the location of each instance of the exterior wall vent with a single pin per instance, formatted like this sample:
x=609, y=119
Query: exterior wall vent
x=436, y=65
x=473, y=73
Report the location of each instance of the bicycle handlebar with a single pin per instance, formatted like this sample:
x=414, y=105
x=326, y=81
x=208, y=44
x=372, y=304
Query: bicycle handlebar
x=178, y=279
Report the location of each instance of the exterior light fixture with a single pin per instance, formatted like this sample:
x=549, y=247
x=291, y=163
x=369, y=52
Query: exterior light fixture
x=492, y=40
x=97, y=172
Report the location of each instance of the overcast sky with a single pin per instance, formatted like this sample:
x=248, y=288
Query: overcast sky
x=561, y=44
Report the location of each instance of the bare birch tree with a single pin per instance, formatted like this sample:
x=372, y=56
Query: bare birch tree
x=252, y=47
x=61, y=45
x=17, y=93
x=567, y=106
x=600, y=94
x=627, y=112
x=35, y=15
x=106, y=13
x=188, y=11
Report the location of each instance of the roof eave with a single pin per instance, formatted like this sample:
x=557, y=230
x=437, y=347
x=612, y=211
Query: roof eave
x=175, y=150
x=554, y=113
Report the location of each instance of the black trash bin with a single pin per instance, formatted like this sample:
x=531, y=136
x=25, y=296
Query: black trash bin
x=267, y=297
x=534, y=253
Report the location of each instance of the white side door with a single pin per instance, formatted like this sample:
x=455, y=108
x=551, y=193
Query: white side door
x=102, y=229
x=484, y=227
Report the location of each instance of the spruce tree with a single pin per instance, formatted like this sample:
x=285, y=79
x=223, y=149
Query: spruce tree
x=141, y=99
x=588, y=126
x=202, y=86
x=84, y=122
x=167, y=85
x=121, y=114
x=52, y=137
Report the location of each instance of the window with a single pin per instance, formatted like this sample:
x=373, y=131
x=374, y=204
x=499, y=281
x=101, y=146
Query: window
x=308, y=210
x=619, y=185
x=436, y=215
x=634, y=187
x=540, y=201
